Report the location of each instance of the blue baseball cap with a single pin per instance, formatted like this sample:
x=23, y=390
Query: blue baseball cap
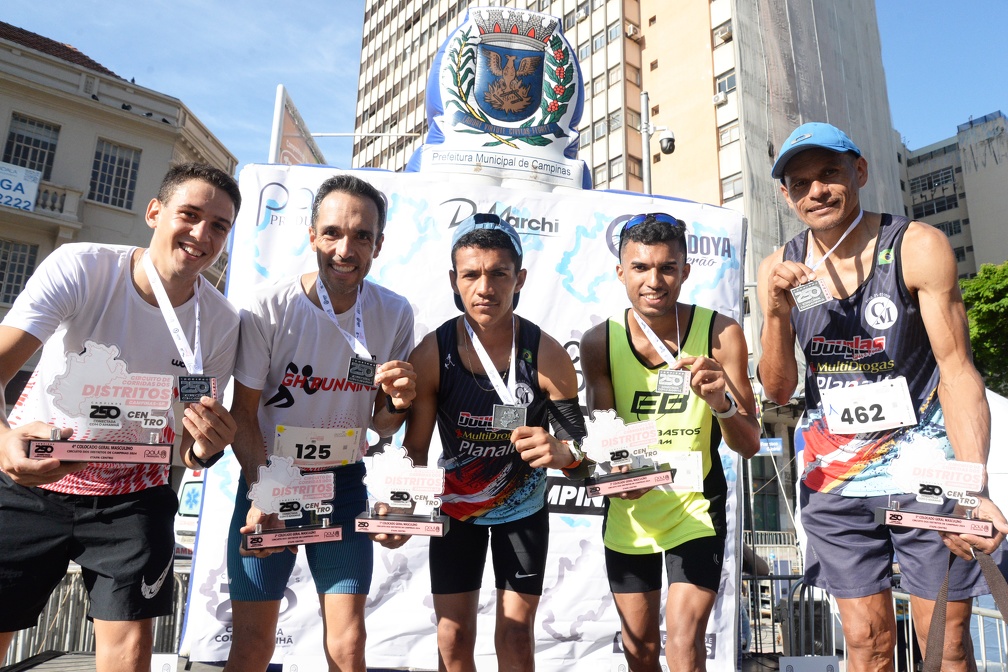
x=489, y=222
x=810, y=136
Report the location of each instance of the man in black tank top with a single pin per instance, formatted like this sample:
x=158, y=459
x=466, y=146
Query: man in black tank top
x=493, y=383
x=876, y=305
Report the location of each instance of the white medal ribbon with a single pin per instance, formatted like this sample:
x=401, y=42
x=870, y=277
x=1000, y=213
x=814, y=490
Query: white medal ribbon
x=657, y=343
x=356, y=340
x=808, y=258
x=505, y=392
x=191, y=357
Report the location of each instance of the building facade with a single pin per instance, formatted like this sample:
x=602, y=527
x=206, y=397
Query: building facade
x=102, y=145
x=730, y=78
x=958, y=185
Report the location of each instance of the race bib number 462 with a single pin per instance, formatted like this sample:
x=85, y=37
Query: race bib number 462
x=873, y=407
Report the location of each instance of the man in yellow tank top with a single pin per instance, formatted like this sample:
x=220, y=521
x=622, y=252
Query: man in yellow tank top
x=658, y=334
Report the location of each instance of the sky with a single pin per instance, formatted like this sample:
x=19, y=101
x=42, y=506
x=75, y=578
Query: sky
x=224, y=60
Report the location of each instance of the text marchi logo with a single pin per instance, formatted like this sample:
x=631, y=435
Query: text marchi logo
x=533, y=224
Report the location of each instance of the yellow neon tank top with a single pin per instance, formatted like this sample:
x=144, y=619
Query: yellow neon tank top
x=663, y=519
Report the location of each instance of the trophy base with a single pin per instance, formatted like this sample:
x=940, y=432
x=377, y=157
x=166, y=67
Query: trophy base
x=613, y=484
x=101, y=451
x=939, y=523
x=291, y=536
x=397, y=523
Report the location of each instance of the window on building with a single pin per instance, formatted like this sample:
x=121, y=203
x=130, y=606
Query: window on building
x=653, y=20
x=17, y=263
x=582, y=8
x=31, y=144
x=615, y=75
x=585, y=137
x=655, y=109
x=598, y=85
x=634, y=166
x=654, y=64
x=598, y=41
x=615, y=167
x=584, y=50
x=615, y=120
x=597, y=3
x=633, y=119
x=933, y=207
x=600, y=175
x=728, y=133
x=613, y=31
x=656, y=157
x=950, y=228
x=633, y=74
x=599, y=129
x=722, y=34
x=960, y=254
x=544, y=5
x=726, y=82
x=939, y=178
x=765, y=513
x=569, y=20
x=114, y=174
x=731, y=187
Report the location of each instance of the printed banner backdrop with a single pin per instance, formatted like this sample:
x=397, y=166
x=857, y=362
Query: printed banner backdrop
x=569, y=241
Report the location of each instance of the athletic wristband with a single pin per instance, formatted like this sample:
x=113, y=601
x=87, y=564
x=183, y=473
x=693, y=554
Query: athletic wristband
x=576, y=453
x=207, y=463
x=730, y=411
x=391, y=407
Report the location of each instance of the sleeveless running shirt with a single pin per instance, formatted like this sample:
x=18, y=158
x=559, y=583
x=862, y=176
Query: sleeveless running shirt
x=663, y=519
x=486, y=481
x=875, y=334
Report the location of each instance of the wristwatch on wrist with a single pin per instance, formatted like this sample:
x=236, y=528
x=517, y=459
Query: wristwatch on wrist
x=575, y=452
x=391, y=407
x=727, y=413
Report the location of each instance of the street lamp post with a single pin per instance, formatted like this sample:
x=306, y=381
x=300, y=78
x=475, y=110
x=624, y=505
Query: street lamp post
x=647, y=130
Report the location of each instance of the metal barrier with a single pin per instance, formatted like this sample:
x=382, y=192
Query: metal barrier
x=63, y=625
x=786, y=617
x=806, y=621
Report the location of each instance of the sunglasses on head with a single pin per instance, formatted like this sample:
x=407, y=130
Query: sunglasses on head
x=648, y=217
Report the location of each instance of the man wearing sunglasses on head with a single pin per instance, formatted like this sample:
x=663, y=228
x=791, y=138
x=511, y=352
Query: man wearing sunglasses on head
x=626, y=363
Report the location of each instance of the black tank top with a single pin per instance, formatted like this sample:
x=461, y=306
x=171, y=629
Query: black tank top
x=485, y=477
x=875, y=333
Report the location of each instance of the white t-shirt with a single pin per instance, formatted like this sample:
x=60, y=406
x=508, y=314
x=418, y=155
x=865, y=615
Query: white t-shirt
x=291, y=350
x=98, y=333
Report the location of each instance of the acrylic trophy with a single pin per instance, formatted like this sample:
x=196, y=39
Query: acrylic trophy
x=612, y=441
x=934, y=479
x=410, y=494
x=109, y=408
x=283, y=490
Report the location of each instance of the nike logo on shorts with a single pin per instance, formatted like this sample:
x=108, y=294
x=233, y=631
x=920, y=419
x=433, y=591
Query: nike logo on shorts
x=150, y=591
x=519, y=575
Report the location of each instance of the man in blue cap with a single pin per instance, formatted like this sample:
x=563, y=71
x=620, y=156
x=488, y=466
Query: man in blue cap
x=493, y=383
x=874, y=302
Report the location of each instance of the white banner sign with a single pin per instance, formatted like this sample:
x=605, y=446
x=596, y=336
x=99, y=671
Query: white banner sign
x=18, y=186
x=569, y=243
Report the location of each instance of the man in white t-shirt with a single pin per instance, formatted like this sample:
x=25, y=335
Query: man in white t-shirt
x=105, y=316
x=299, y=340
